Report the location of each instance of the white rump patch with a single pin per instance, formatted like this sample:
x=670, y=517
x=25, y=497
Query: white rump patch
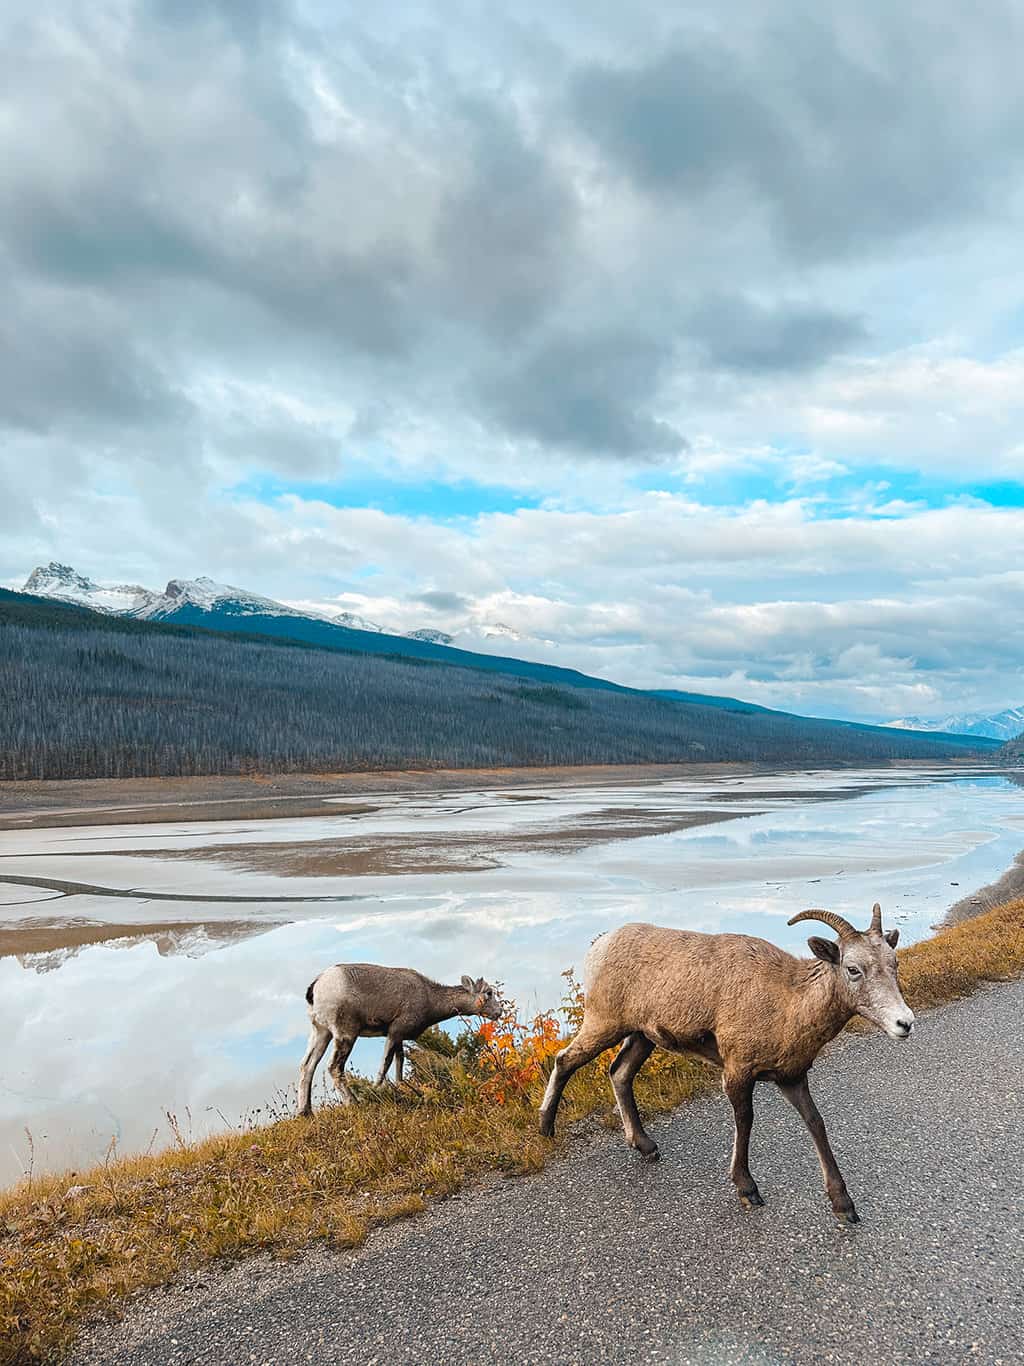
x=328, y=995
x=595, y=957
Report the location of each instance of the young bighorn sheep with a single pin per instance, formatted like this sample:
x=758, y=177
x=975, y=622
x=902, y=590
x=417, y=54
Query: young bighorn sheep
x=361, y=1000
x=755, y=1011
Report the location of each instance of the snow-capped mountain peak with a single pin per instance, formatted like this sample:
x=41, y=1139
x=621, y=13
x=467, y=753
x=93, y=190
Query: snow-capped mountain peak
x=45, y=580
x=208, y=595
x=355, y=622
x=206, y=602
x=497, y=630
x=1001, y=725
x=430, y=636
x=61, y=581
x=183, y=599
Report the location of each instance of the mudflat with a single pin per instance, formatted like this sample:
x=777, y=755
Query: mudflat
x=45, y=935
x=105, y=801
x=420, y=852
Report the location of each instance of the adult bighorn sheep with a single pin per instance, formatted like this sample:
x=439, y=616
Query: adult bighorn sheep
x=755, y=1011
x=362, y=1000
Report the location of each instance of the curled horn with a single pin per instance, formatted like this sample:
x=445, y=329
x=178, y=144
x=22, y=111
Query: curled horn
x=876, y=919
x=836, y=922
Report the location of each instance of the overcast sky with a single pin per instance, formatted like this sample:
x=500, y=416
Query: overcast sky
x=686, y=340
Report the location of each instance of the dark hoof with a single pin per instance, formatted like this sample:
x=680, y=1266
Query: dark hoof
x=546, y=1127
x=847, y=1216
x=751, y=1199
x=651, y=1154
x=307, y=1113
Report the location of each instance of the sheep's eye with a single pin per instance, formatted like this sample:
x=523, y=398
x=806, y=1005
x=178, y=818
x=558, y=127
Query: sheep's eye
x=854, y=972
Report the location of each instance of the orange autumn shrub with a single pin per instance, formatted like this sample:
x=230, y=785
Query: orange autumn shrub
x=512, y=1054
x=515, y=1058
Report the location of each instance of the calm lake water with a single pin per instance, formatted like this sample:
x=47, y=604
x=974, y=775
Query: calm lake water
x=193, y=1004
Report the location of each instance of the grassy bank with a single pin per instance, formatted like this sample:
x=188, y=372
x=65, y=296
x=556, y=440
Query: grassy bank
x=69, y=1253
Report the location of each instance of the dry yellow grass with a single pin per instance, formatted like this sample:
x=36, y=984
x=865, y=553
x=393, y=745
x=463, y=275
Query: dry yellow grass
x=67, y=1258
x=987, y=948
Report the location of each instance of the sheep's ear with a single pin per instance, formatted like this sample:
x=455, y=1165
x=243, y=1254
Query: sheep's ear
x=479, y=984
x=467, y=982
x=825, y=949
x=892, y=938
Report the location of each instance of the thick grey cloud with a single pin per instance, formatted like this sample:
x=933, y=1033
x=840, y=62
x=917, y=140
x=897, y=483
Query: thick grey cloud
x=848, y=128
x=504, y=231
x=404, y=220
x=741, y=334
x=244, y=187
x=75, y=366
x=589, y=391
x=683, y=122
x=442, y=601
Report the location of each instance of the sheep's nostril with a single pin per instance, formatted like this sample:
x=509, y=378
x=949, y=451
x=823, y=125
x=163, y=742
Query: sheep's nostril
x=905, y=1025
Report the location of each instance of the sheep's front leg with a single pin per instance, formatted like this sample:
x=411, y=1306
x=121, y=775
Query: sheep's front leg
x=389, y=1053
x=635, y=1051
x=740, y=1090
x=393, y=1051
x=588, y=1043
x=798, y=1094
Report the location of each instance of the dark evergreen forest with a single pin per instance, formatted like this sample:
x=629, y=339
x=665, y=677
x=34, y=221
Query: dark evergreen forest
x=83, y=695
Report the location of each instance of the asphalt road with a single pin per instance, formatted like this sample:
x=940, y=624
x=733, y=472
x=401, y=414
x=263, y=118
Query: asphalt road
x=604, y=1258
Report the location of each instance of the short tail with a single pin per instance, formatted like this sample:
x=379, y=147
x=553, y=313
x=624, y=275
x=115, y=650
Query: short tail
x=309, y=990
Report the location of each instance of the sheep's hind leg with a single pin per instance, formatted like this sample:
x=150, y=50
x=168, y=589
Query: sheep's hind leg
x=799, y=1096
x=343, y=1045
x=635, y=1051
x=318, y=1040
x=583, y=1049
x=740, y=1090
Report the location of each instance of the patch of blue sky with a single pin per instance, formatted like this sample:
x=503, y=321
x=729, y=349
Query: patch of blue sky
x=720, y=489
x=432, y=499
x=879, y=492
x=932, y=491
x=1004, y=493
x=862, y=490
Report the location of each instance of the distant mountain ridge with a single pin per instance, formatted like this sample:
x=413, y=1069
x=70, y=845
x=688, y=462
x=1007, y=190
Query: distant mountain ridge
x=61, y=581
x=66, y=584
x=102, y=694
x=214, y=606
x=1001, y=725
x=205, y=603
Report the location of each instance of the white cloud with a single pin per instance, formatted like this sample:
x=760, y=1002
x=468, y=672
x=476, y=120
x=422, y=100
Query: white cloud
x=859, y=615
x=916, y=410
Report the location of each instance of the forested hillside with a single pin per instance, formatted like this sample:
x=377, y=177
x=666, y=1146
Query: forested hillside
x=1012, y=752
x=86, y=695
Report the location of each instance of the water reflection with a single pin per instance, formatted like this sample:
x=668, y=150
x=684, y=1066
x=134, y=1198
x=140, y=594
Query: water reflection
x=209, y=1023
